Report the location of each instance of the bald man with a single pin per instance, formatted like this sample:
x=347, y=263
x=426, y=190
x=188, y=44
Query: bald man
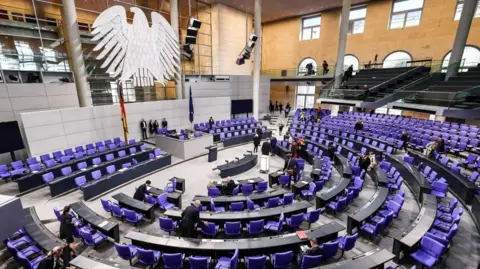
x=190, y=217
x=228, y=189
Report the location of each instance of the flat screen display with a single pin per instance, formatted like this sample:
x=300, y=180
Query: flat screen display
x=10, y=137
x=242, y=106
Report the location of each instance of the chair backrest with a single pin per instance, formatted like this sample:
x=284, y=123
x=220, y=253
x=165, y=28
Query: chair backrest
x=233, y=227
x=47, y=177
x=309, y=261
x=111, y=169
x=296, y=220
x=146, y=256
x=66, y=171
x=123, y=251
x=96, y=174
x=35, y=167
x=81, y=165
x=96, y=161
x=350, y=242
x=32, y=160
x=198, y=262
x=109, y=157
x=273, y=202
x=130, y=215
x=116, y=209
x=107, y=206
x=432, y=247
x=255, y=262
x=162, y=198
x=238, y=206
x=80, y=181
x=283, y=259
x=213, y=192
x=247, y=189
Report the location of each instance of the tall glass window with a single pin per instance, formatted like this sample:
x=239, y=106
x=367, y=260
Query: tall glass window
x=351, y=60
x=305, y=97
x=311, y=28
x=470, y=58
x=458, y=10
x=406, y=13
x=356, y=24
x=305, y=65
x=397, y=59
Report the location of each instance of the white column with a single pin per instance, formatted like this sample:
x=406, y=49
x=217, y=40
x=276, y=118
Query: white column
x=342, y=41
x=174, y=23
x=258, y=57
x=74, y=45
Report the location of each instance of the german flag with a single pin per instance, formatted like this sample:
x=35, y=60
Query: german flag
x=123, y=112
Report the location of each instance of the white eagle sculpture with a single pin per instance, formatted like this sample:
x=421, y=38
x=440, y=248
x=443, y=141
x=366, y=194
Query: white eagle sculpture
x=137, y=51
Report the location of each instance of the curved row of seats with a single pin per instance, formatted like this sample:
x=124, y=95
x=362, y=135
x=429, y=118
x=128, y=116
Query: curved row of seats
x=227, y=123
x=18, y=168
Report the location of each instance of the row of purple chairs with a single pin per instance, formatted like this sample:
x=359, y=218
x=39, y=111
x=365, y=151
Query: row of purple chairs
x=251, y=206
x=229, y=135
x=226, y=128
x=24, y=250
x=246, y=189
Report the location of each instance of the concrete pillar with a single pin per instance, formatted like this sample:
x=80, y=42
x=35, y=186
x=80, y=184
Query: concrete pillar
x=342, y=41
x=258, y=57
x=74, y=46
x=174, y=23
x=468, y=12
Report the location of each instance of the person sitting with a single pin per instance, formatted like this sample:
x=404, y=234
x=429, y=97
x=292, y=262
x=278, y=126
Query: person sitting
x=51, y=261
x=358, y=126
x=141, y=191
x=314, y=250
x=431, y=146
x=228, y=189
x=211, y=184
x=440, y=147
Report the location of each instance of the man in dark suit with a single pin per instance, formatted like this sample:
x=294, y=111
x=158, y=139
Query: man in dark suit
x=164, y=123
x=190, y=217
x=51, y=261
x=141, y=191
x=266, y=148
x=405, y=137
x=364, y=162
x=315, y=250
x=211, y=122
x=228, y=189
x=440, y=145
x=290, y=168
x=358, y=126
x=143, y=126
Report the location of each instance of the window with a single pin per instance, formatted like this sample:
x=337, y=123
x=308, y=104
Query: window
x=30, y=19
x=17, y=17
x=83, y=27
x=25, y=56
x=406, y=13
x=470, y=58
x=458, y=11
x=305, y=97
x=397, y=59
x=356, y=23
x=307, y=67
x=51, y=21
x=351, y=60
x=311, y=28
x=3, y=14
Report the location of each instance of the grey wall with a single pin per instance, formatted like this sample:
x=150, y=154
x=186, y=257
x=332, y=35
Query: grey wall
x=16, y=98
x=52, y=130
x=239, y=87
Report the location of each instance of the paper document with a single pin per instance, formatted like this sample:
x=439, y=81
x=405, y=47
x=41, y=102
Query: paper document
x=103, y=224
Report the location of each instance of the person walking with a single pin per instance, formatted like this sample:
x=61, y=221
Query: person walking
x=276, y=105
x=66, y=229
x=190, y=217
x=280, y=108
x=405, y=138
x=325, y=67
x=280, y=127
x=143, y=127
x=256, y=142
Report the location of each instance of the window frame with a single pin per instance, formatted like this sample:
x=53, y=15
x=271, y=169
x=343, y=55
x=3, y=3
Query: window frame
x=405, y=12
x=351, y=22
x=463, y=3
x=299, y=70
x=302, y=28
x=393, y=52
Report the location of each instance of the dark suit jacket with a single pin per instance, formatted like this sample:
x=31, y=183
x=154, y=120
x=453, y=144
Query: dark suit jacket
x=440, y=145
x=66, y=227
x=140, y=193
x=228, y=189
x=47, y=263
x=211, y=122
x=364, y=163
x=164, y=124
x=266, y=148
x=143, y=124
x=190, y=217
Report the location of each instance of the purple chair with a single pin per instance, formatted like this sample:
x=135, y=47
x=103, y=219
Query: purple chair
x=295, y=221
x=4, y=174
x=31, y=161
x=226, y=262
x=251, y=205
x=273, y=202
x=309, y=261
x=132, y=216
x=149, y=257
x=17, y=168
x=275, y=226
x=233, y=228
x=117, y=212
x=247, y=189
x=347, y=243
x=33, y=168
x=171, y=186
x=96, y=161
x=163, y=203
x=284, y=180
x=111, y=169
x=255, y=227
x=287, y=199
x=255, y=262
x=167, y=225
x=429, y=252
x=82, y=165
x=173, y=261
x=80, y=181
x=126, y=252
x=373, y=229
x=47, y=177
x=282, y=259
x=213, y=192
x=66, y=171
x=107, y=205
x=149, y=199
x=310, y=192
x=91, y=239
x=312, y=216
x=236, y=207
x=214, y=208
x=96, y=174
x=29, y=264
x=439, y=189
x=210, y=230
x=262, y=186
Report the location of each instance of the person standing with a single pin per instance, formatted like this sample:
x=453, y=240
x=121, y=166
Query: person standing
x=294, y=147
x=270, y=107
x=164, y=123
x=405, y=138
x=211, y=122
x=280, y=127
x=151, y=128
x=141, y=191
x=373, y=161
x=440, y=147
x=190, y=217
x=276, y=105
x=358, y=126
x=266, y=148
x=256, y=142
x=375, y=59
x=331, y=150
x=280, y=108
x=143, y=127
x=273, y=145
x=325, y=67
x=287, y=109
x=51, y=260
x=364, y=162
x=290, y=168
x=66, y=229
x=156, y=125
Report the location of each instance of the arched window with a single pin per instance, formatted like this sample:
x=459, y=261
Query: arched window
x=397, y=59
x=304, y=65
x=351, y=60
x=470, y=58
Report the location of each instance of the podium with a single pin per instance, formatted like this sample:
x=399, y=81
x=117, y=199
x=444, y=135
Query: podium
x=264, y=163
x=212, y=153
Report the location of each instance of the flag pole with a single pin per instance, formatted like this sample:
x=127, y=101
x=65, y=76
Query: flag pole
x=123, y=113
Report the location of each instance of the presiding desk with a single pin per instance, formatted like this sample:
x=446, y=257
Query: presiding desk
x=246, y=247
x=96, y=221
x=45, y=239
x=237, y=167
x=241, y=139
x=138, y=206
x=246, y=216
x=356, y=219
x=184, y=149
x=257, y=198
x=96, y=187
x=172, y=197
x=64, y=184
x=411, y=175
x=409, y=240
x=456, y=182
x=34, y=180
x=374, y=259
